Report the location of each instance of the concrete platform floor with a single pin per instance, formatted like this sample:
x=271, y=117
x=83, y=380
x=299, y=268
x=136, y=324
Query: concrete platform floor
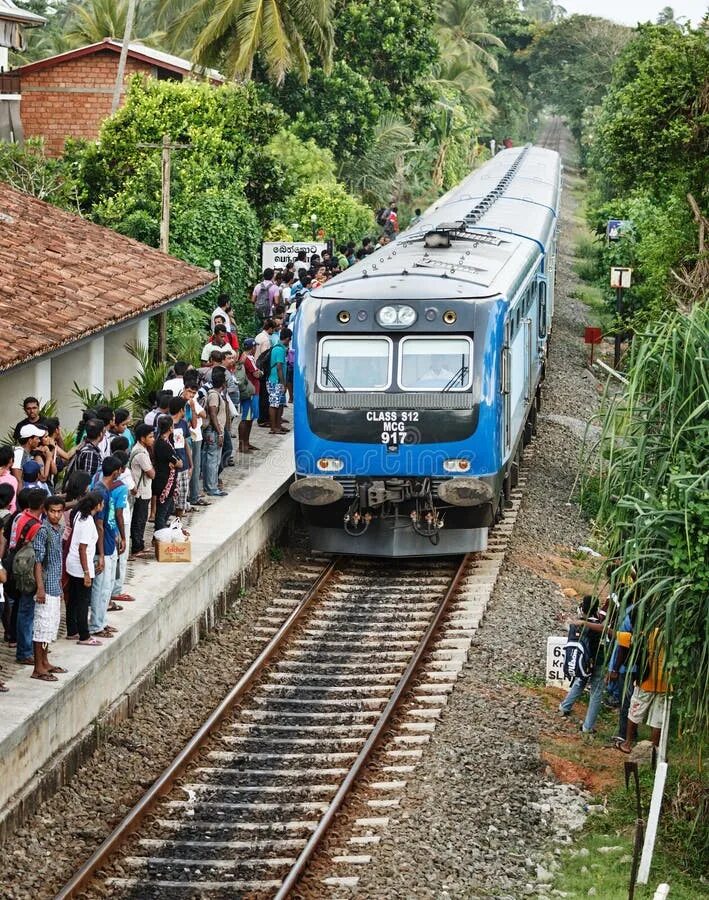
x=38, y=720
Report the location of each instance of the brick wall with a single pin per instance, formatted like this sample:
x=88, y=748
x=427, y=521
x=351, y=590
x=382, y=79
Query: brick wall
x=73, y=98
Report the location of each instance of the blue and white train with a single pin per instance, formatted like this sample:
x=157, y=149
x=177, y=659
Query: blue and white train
x=419, y=369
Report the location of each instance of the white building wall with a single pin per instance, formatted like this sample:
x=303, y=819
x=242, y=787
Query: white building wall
x=97, y=365
x=118, y=364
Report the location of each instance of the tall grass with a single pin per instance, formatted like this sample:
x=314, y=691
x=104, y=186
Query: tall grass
x=653, y=484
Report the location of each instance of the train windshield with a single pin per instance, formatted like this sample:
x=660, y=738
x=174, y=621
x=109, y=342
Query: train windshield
x=355, y=364
x=435, y=363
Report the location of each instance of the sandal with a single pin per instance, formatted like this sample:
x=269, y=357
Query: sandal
x=102, y=634
x=44, y=676
x=57, y=670
x=25, y=662
x=621, y=749
x=124, y=598
x=92, y=642
x=141, y=554
x=114, y=607
x=3, y=688
x=71, y=637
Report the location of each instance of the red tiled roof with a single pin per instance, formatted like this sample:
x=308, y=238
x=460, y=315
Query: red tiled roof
x=63, y=278
x=136, y=50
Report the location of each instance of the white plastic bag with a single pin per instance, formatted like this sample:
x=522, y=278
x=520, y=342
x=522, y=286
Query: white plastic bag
x=173, y=534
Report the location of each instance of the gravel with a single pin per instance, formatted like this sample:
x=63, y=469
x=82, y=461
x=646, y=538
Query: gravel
x=481, y=815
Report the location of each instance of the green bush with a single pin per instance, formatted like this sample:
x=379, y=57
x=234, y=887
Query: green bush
x=661, y=238
x=340, y=215
x=221, y=225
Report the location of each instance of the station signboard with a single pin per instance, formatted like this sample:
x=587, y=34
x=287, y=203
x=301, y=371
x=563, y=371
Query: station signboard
x=277, y=254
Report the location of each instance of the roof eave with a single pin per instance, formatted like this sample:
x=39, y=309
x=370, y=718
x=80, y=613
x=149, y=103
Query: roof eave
x=73, y=343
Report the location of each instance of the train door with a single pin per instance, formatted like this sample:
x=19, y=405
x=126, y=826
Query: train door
x=529, y=359
x=505, y=376
x=544, y=310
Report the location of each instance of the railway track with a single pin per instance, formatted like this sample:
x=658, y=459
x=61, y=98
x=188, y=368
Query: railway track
x=551, y=136
x=287, y=742
x=245, y=804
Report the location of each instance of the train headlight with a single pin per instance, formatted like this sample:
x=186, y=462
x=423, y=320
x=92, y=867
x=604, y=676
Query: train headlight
x=398, y=316
x=456, y=465
x=449, y=317
x=327, y=464
x=343, y=317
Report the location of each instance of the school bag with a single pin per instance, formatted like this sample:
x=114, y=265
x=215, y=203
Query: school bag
x=19, y=562
x=264, y=362
x=246, y=389
x=263, y=299
x=578, y=661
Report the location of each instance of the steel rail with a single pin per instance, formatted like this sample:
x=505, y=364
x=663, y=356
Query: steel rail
x=290, y=881
x=166, y=781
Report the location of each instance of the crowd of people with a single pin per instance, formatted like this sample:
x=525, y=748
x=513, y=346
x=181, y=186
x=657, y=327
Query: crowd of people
x=598, y=659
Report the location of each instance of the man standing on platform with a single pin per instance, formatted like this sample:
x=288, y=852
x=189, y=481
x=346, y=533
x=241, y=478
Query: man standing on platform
x=277, y=382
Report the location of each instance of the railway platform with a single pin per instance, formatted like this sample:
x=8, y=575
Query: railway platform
x=48, y=729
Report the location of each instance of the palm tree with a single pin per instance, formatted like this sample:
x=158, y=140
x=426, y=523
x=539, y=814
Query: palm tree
x=666, y=16
x=464, y=102
x=544, y=11
x=390, y=166
x=231, y=33
x=90, y=21
x=461, y=28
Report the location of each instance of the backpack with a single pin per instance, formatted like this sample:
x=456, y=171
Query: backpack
x=264, y=362
x=382, y=215
x=246, y=389
x=19, y=562
x=262, y=304
x=578, y=661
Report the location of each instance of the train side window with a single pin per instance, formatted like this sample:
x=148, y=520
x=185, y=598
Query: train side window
x=355, y=364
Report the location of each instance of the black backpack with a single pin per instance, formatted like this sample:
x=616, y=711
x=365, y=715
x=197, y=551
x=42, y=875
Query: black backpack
x=578, y=660
x=264, y=362
x=383, y=215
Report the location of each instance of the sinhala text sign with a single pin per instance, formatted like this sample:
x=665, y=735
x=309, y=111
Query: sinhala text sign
x=277, y=254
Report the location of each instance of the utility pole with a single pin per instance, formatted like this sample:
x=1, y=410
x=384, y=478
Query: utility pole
x=166, y=169
x=127, y=34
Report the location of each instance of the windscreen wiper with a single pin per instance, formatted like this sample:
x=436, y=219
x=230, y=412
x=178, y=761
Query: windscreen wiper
x=459, y=377
x=330, y=377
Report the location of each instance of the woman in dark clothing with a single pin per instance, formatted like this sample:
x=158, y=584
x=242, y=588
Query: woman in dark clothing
x=166, y=465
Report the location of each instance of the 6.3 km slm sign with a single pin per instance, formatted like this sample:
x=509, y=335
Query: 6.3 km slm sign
x=277, y=254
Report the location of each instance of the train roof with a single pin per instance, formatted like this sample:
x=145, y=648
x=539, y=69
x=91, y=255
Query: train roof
x=499, y=218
